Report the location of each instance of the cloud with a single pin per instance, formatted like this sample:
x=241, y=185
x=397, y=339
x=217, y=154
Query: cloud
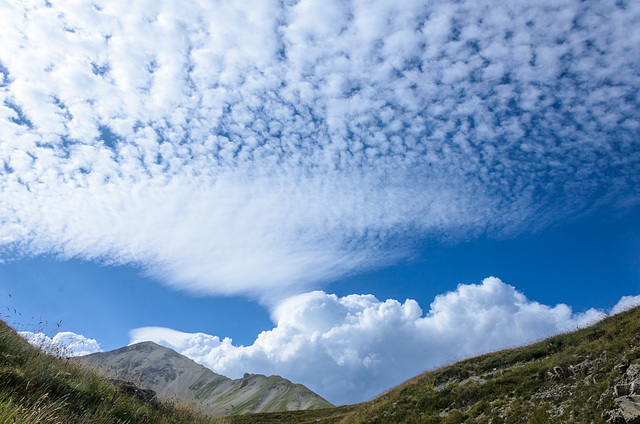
x=265, y=147
x=349, y=349
x=65, y=343
x=625, y=303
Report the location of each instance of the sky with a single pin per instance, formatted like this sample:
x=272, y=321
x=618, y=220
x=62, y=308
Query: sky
x=344, y=193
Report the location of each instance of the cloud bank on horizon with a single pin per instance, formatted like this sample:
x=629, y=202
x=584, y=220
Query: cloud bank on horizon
x=64, y=343
x=352, y=348
x=265, y=146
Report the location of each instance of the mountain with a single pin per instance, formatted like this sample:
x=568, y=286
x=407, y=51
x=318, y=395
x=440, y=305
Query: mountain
x=171, y=374
x=37, y=387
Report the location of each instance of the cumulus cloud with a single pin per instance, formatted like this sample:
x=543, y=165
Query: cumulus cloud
x=238, y=148
x=65, y=343
x=349, y=349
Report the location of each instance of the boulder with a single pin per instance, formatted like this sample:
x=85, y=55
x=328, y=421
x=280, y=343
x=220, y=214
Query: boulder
x=629, y=408
x=627, y=396
x=130, y=389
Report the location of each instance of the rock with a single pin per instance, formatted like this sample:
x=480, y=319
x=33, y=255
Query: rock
x=440, y=387
x=629, y=408
x=615, y=417
x=626, y=392
x=633, y=373
x=557, y=373
x=629, y=384
x=624, y=389
x=585, y=367
x=130, y=389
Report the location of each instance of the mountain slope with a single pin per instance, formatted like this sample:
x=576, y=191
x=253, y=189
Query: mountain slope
x=173, y=375
x=587, y=376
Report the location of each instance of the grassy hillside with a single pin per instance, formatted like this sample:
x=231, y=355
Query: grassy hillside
x=39, y=388
x=570, y=378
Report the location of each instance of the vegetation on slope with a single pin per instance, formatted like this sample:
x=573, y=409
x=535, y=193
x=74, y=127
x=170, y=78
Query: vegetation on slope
x=569, y=378
x=36, y=387
x=309, y=416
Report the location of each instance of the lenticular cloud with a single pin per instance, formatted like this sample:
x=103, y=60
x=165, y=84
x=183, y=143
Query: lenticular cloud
x=265, y=145
x=352, y=348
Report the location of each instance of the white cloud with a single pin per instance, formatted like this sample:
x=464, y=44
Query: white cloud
x=352, y=348
x=65, y=343
x=243, y=147
x=625, y=303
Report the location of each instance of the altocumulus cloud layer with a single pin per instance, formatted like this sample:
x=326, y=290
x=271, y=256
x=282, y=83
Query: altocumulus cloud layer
x=243, y=147
x=352, y=348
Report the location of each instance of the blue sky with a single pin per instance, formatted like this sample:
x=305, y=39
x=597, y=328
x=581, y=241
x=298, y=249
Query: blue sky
x=270, y=186
x=586, y=263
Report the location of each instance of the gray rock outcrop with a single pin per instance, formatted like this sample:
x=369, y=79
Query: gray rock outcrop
x=627, y=397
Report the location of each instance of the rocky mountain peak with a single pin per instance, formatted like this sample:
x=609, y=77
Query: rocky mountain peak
x=171, y=374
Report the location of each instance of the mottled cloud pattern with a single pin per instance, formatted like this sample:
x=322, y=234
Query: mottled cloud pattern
x=248, y=147
x=349, y=349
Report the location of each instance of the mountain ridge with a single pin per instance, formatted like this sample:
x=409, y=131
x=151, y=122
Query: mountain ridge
x=171, y=374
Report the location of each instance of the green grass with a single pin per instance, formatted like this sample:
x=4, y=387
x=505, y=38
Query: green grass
x=519, y=385
x=321, y=416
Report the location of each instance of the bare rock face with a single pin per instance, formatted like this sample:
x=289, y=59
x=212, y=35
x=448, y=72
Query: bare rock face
x=627, y=397
x=629, y=408
x=170, y=374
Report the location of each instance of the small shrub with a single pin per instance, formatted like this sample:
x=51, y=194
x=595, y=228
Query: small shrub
x=539, y=416
x=479, y=408
x=455, y=417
